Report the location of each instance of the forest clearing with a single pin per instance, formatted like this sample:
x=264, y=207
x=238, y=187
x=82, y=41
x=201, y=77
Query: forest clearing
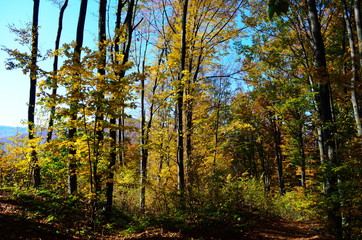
x=186, y=119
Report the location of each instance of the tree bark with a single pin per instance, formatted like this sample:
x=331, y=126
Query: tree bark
x=72, y=173
x=55, y=69
x=99, y=115
x=144, y=152
x=180, y=101
x=355, y=68
x=32, y=94
x=358, y=21
x=145, y=129
x=101, y=71
x=326, y=117
x=113, y=133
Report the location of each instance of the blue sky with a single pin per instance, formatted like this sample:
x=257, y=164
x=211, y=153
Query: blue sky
x=14, y=85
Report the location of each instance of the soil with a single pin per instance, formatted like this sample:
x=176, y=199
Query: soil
x=15, y=224
x=288, y=229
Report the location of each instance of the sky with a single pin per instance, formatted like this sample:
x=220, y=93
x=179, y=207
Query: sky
x=14, y=85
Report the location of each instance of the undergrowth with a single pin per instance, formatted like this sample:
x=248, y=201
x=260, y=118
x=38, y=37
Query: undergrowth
x=296, y=204
x=234, y=208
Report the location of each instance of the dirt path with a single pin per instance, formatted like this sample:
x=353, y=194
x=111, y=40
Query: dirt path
x=266, y=229
x=287, y=229
x=14, y=225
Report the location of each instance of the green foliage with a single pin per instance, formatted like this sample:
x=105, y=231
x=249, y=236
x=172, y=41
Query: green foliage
x=297, y=204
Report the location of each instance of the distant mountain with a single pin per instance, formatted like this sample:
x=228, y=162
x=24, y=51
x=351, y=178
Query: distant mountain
x=6, y=131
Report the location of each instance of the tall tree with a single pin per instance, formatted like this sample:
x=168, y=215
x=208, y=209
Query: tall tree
x=278, y=151
x=113, y=132
x=99, y=115
x=72, y=172
x=55, y=68
x=144, y=129
x=354, y=67
x=322, y=78
x=122, y=31
x=32, y=94
x=180, y=102
x=358, y=22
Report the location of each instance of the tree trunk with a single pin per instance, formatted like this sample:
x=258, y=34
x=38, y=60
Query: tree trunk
x=145, y=129
x=326, y=117
x=355, y=68
x=99, y=115
x=113, y=133
x=180, y=100
x=358, y=21
x=55, y=69
x=218, y=103
x=101, y=71
x=32, y=94
x=265, y=167
x=278, y=154
x=144, y=152
x=119, y=74
x=112, y=163
x=72, y=173
x=189, y=129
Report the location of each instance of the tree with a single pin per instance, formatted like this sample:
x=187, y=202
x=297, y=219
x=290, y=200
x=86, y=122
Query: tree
x=99, y=105
x=358, y=22
x=120, y=60
x=321, y=76
x=354, y=68
x=180, y=102
x=55, y=68
x=113, y=132
x=32, y=94
x=144, y=128
x=72, y=177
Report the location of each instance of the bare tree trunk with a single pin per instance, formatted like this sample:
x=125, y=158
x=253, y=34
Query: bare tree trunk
x=72, y=173
x=101, y=71
x=180, y=101
x=218, y=103
x=190, y=171
x=99, y=115
x=144, y=153
x=55, y=69
x=358, y=21
x=326, y=116
x=355, y=68
x=32, y=94
x=113, y=132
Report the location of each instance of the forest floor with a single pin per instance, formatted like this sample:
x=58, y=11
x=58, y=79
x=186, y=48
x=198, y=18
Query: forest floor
x=16, y=222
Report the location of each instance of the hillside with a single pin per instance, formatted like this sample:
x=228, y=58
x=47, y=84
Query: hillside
x=8, y=131
x=45, y=217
